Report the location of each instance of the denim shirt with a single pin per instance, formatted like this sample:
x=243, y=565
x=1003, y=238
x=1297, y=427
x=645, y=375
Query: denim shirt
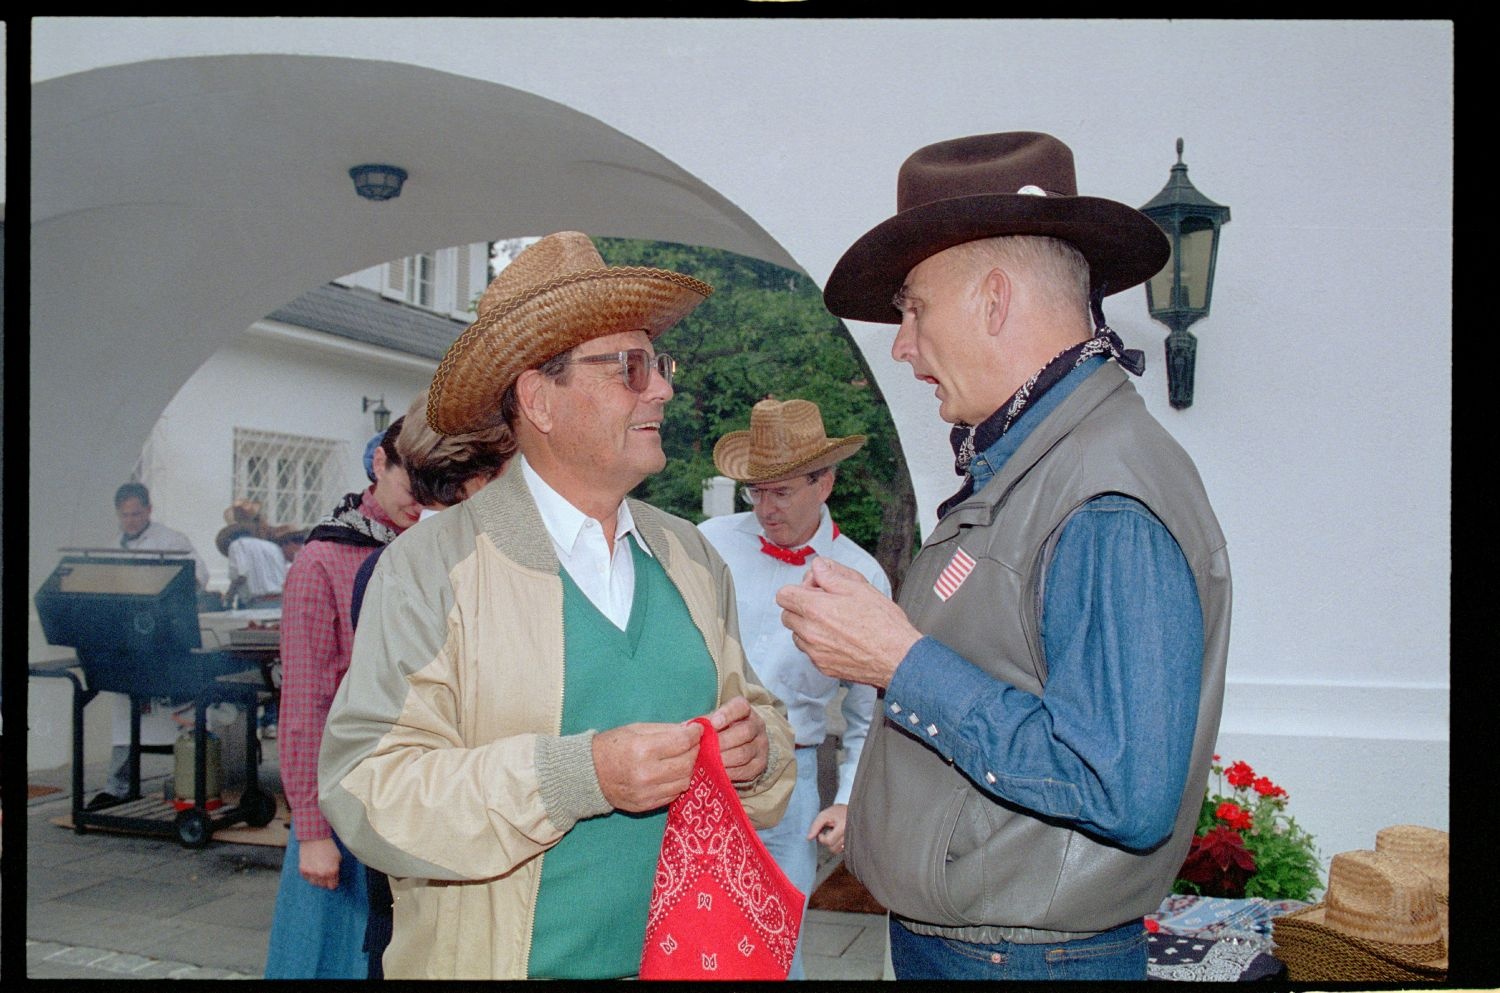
x=1122, y=634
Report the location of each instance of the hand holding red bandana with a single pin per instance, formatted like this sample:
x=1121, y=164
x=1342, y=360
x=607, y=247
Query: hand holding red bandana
x=849, y=629
x=645, y=766
x=743, y=745
x=721, y=908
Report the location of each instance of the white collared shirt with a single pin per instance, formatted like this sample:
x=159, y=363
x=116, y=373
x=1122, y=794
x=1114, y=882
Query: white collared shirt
x=607, y=579
x=781, y=666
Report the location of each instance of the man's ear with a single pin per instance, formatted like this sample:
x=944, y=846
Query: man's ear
x=825, y=484
x=534, y=399
x=996, y=290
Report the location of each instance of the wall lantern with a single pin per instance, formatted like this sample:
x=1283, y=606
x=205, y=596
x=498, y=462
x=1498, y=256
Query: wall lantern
x=1179, y=294
x=378, y=182
x=382, y=413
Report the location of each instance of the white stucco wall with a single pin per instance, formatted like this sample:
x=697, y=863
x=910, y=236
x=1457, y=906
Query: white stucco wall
x=1322, y=415
x=269, y=381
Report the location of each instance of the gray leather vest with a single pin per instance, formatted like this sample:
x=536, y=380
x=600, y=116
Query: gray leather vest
x=930, y=845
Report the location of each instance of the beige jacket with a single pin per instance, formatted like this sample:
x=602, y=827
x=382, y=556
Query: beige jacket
x=442, y=763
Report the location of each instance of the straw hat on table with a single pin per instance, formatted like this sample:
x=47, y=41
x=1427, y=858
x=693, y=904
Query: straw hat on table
x=1379, y=921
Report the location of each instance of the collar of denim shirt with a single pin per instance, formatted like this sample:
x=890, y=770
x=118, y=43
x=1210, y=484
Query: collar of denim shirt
x=990, y=461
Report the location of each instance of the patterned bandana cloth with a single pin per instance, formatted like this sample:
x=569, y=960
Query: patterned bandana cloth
x=969, y=439
x=347, y=526
x=722, y=908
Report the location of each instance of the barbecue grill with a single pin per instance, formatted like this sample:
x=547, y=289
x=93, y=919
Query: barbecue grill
x=133, y=622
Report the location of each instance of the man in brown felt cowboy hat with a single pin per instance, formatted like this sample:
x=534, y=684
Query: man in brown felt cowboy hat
x=1054, y=673
x=514, y=721
x=788, y=463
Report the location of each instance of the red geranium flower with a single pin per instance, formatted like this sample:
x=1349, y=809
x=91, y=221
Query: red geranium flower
x=1265, y=787
x=1234, y=815
x=1240, y=774
x=1219, y=863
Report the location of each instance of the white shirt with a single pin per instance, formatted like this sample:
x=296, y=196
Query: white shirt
x=260, y=562
x=785, y=670
x=606, y=578
x=160, y=538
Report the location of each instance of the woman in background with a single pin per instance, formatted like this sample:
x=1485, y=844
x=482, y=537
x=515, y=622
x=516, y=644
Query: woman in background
x=318, y=928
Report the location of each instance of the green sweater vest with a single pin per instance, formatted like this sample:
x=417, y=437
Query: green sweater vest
x=596, y=882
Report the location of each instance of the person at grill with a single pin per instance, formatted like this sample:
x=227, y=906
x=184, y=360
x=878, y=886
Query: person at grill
x=257, y=567
x=1055, y=670
x=317, y=931
x=139, y=533
x=443, y=470
x=788, y=464
x=517, y=716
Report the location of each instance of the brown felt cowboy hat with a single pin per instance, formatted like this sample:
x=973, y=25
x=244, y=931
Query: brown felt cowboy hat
x=554, y=296
x=1379, y=921
x=784, y=440
x=982, y=186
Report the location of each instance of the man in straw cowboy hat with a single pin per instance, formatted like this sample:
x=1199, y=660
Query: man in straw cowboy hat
x=788, y=464
x=514, y=723
x=1054, y=674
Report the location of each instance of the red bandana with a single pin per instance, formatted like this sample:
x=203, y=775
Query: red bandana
x=722, y=908
x=791, y=556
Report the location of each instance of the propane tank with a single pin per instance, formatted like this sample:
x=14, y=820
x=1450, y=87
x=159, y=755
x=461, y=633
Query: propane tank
x=183, y=751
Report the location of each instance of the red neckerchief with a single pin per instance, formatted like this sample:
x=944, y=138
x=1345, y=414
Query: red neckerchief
x=791, y=556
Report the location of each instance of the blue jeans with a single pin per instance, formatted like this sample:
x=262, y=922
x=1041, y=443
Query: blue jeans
x=318, y=933
x=787, y=841
x=1116, y=954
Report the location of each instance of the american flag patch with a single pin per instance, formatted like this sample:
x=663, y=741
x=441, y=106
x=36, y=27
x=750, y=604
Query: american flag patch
x=953, y=574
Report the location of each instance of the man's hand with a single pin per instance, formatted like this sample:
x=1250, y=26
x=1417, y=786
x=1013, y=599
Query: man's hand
x=645, y=766
x=319, y=862
x=848, y=628
x=743, y=744
x=828, y=827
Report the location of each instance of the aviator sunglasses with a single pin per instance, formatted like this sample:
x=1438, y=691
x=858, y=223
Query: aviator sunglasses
x=635, y=366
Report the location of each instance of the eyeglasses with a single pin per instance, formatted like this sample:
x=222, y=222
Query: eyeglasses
x=635, y=366
x=753, y=495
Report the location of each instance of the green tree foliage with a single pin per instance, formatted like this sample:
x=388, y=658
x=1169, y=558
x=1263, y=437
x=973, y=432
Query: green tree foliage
x=765, y=333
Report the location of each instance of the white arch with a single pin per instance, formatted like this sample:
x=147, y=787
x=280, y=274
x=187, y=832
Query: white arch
x=177, y=201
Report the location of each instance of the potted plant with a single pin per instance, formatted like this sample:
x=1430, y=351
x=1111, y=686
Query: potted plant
x=1246, y=845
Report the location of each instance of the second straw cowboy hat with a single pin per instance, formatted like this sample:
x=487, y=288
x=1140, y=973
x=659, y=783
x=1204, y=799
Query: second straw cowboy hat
x=556, y=295
x=983, y=186
x=1425, y=848
x=1378, y=921
x=785, y=439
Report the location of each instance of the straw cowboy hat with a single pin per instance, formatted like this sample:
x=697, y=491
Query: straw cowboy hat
x=964, y=189
x=784, y=440
x=1378, y=921
x=228, y=533
x=556, y=295
x=247, y=512
x=1423, y=847
x=241, y=517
